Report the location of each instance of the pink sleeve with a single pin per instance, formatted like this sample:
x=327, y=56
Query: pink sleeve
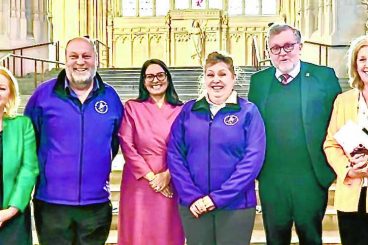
x=133, y=159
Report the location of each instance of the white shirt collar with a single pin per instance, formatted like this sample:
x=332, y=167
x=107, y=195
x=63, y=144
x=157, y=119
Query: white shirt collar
x=232, y=99
x=293, y=73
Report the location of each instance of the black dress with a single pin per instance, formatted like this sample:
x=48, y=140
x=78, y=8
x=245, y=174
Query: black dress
x=18, y=229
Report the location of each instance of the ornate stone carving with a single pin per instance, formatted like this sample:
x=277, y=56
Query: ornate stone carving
x=211, y=37
x=225, y=20
x=155, y=37
x=139, y=37
x=198, y=35
x=235, y=36
x=168, y=20
x=122, y=38
x=182, y=37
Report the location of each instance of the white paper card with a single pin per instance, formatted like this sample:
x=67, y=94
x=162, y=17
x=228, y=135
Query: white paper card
x=350, y=136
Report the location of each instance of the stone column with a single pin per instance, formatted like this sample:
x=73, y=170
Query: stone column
x=350, y=17
x=2, y=20
x=329, y=17
x=260, y=7
x=224, y=40
x=23, y=20
x=321, y=18
x=154, y=7
x=300, y=18
x=308, y=19
x=14, y=30
x=37, y=30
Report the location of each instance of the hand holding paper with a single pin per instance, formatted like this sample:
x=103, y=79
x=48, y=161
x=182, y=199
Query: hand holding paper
x=352, y=139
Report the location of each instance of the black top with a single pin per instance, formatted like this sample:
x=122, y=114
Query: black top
x=1, y=170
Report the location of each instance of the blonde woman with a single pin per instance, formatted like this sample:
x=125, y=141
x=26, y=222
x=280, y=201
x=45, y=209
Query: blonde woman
x=18, y=165
x=351, y=171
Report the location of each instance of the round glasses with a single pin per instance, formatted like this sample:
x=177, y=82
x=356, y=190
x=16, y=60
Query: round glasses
x=161, y=76
x=288, y=47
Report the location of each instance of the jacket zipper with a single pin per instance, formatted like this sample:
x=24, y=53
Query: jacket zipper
x=81, y=154
x=209, y=154
x=209, y=164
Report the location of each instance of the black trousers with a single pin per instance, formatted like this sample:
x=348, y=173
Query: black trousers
x=17, y=230
x=71, y=225
x=219, y=227
x=353, y=226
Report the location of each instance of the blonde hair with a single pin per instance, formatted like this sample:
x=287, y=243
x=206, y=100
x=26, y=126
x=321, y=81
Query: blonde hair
x=11, y=107
x=355, y=46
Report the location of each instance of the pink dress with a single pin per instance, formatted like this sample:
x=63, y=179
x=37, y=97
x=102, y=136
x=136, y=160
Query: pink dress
x=146, y=217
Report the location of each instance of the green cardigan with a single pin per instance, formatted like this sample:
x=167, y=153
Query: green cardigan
x=20, y=164
x=319, y=88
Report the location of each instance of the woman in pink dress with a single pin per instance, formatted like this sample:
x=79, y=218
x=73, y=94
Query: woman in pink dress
x=148, y=212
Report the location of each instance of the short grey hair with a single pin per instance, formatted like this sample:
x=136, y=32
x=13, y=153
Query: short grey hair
x=277, y=28
x=87, y=39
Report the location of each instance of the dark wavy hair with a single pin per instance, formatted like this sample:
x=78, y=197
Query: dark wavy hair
x=170, y=95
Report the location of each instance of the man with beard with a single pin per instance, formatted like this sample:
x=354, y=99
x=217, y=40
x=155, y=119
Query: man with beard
x=295, y=99
x=76, y=117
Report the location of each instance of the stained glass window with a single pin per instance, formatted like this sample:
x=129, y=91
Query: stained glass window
x=252, y=7
x=162, y=7
x=145, y=8
x=268, y=7
x=235, y=7
x=129, y=7
x=181, y=4
x=215, y=4
x=198, y=4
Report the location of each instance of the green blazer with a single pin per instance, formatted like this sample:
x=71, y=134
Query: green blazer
x=20, y=164
x=319, y=88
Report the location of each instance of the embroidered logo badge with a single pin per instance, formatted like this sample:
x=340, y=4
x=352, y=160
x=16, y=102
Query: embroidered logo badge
x=231, y=120
x=101, y=107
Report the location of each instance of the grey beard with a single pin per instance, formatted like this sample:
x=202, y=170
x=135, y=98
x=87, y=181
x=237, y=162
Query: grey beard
x=81, y=82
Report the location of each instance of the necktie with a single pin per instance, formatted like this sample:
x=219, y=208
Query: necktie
x=285, y=78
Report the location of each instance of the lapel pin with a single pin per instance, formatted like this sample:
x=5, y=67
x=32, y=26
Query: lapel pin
x=307, y=74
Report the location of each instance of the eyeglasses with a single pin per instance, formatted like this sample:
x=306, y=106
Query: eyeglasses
x=150, y=77
x=288, y=47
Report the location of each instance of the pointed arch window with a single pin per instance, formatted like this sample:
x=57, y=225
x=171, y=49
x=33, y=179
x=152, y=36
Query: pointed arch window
x=162, y=7
x=235, y=7
x=215, y=4
x=269, y=7
x=129, y=7
x=145, y=7
x=252, y=7
x=181, y=4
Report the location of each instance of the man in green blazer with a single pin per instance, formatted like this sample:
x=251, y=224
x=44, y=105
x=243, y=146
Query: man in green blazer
x=295, y=99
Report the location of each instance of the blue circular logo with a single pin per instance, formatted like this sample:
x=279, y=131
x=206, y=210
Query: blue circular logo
x=231, y=120
x=101, y=107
